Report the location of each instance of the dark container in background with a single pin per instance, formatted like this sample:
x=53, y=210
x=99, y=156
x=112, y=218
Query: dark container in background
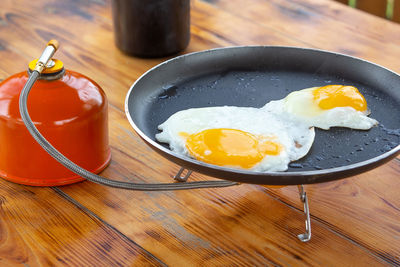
x=151, y=28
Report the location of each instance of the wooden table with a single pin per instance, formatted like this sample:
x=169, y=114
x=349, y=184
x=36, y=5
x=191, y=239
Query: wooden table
x=355, y=221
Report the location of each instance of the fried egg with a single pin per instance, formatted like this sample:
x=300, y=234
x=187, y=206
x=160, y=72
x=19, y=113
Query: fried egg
x=237, y=137
x=325, y=107
x=267, y=138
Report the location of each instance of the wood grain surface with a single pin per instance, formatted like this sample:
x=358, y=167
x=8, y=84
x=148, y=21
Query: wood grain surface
x=355, y=221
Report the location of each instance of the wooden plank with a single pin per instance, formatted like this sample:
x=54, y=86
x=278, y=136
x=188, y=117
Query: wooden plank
x=380, y=29
x=315, y=23
x=38, y=227
x=375, y=7
x=396, y=11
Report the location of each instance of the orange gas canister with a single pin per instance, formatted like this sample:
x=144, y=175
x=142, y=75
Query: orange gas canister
x=70, y=110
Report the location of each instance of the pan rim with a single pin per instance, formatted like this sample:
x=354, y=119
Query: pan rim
x=310, y=173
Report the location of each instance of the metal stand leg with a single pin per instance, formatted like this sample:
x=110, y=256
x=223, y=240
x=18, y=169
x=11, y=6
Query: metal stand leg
x=180, y=178
x=303, y=197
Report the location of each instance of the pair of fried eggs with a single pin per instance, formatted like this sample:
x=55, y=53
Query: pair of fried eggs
x=267, y=138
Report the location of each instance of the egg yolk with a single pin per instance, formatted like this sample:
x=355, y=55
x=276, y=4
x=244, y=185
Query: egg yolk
x=332, y=96
x=230, y=147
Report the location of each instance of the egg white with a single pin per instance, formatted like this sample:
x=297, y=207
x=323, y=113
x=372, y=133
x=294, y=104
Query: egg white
x=299, y=105
x=295, y=137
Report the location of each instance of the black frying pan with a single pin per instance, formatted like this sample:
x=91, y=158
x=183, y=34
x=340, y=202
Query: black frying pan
x=252, y=76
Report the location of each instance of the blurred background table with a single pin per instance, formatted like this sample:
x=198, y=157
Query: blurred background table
x=355, y=221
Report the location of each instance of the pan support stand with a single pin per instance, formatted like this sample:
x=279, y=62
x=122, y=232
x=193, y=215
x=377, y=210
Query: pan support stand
x=182, y=178
x=305, y=237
